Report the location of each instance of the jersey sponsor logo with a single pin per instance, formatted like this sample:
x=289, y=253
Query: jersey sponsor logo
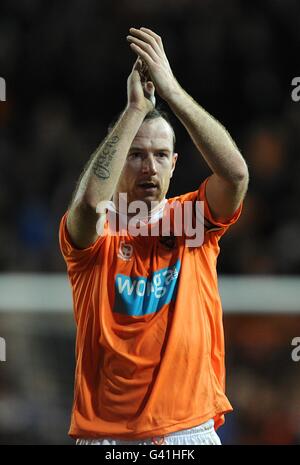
x=125, y=251
x=142, y=296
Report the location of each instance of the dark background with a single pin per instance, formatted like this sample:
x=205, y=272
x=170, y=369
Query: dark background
x=66, y=66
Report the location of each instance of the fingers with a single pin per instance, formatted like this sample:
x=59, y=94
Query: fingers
x=137, y=65
x=145, y=72
x=148, y=46
x=149, y=87
x=146, y=36
x=149, y=36
x=149, y=92
x=144, y=46
x=144, y=55
x=156, y=37
x=138, y=71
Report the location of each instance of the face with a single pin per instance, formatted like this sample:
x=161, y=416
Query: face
x=150, y=163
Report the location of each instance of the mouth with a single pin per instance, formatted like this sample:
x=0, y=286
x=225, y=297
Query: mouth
x=148, y=186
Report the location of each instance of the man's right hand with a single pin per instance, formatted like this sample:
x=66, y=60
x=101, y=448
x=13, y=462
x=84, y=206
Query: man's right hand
x=140, y=91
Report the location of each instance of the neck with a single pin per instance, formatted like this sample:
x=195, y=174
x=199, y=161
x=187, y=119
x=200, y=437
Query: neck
x=151, y=208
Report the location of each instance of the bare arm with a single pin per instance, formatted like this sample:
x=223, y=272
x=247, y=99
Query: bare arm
x=228, y=184
x=101, y=175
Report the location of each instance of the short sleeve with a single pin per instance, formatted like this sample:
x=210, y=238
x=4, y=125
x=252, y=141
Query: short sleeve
x=210, y=223
x=77, y=259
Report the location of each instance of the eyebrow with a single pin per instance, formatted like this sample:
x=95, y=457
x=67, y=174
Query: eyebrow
x=140, y=149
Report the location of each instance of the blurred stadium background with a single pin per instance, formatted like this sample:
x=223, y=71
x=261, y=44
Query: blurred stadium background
x=66, y=66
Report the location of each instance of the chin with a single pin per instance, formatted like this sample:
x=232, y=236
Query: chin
x=149, y=198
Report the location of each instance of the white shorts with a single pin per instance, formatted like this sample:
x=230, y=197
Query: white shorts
x=203, y=434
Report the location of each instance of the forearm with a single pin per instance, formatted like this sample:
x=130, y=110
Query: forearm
x=102, y=173
x=209, y=136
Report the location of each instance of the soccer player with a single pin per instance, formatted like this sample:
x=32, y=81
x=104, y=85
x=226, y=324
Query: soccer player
x=150, y=345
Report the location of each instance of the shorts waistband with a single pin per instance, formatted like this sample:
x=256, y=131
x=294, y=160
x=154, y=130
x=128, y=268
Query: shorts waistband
x=204, y=428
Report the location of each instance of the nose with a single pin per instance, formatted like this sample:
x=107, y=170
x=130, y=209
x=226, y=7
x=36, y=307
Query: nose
x=149, y=165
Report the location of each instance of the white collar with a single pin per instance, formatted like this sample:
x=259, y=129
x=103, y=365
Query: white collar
x=155, y=214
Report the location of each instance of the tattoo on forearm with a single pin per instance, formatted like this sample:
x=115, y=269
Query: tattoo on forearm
x=101, y=165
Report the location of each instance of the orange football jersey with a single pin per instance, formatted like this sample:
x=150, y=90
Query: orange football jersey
x=150, y=343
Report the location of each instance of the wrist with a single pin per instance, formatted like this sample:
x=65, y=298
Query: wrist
x=137, y=110
x=174, y=91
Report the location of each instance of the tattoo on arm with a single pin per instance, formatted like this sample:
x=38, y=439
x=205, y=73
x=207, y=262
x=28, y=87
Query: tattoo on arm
x=101, y=165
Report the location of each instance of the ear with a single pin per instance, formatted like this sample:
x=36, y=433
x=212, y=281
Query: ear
x=174, y=160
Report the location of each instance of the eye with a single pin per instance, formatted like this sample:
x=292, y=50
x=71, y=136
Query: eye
x=162, y=154
x=135, y=155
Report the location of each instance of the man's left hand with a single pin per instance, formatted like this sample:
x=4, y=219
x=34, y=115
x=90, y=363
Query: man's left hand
x=148, y=45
